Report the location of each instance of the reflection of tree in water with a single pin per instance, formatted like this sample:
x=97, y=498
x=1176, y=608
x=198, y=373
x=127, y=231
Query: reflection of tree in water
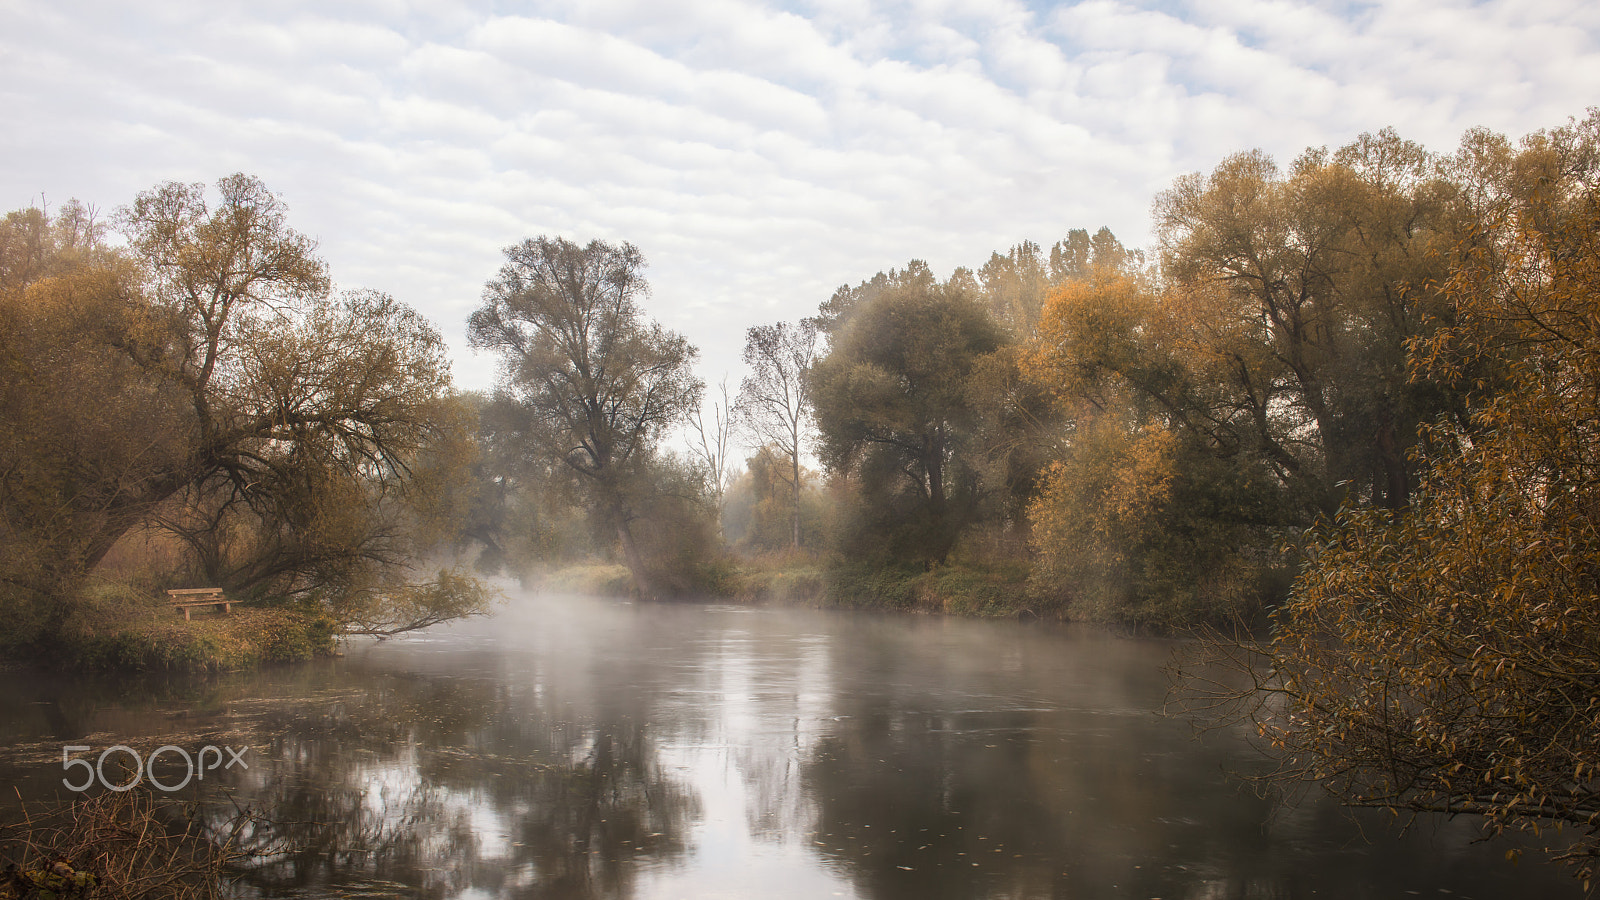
x=965, y=804
x=899, y=808
x=444, y=785
x=944, y=803
x=937, y=780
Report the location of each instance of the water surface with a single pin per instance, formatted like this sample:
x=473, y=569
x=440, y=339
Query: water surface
x=571, y=748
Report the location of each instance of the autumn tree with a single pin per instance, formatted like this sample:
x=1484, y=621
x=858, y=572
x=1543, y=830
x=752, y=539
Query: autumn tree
x=893, y=405
x=1268, y=353
x=1306, y=288
x=1443, y=657
x=600, y=382
x=90, y=443
x=312, y=414
x=1020, y=428
x=1014, y=285
x=205, y=382
x=760, y=510
x=1157, y=509
x=775, y=398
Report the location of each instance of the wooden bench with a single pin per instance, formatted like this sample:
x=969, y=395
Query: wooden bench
x=188, y=598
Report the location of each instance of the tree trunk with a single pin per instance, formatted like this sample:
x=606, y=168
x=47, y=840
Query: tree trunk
x=630, y=555
x=938, y=503
x=794, y=458
x=1396, y=475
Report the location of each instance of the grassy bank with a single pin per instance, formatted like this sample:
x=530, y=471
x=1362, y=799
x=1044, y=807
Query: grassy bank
x=112, y=627
x=797, y=580
x=590, y=579
x=958, y=590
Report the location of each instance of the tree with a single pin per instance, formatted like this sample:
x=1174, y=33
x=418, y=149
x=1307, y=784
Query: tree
x=1157, y=509
x=1271, y=345
x=893, y=406
x=775, y=398
x=363, y=437
x=1444, y=657
x=601, y=383
x=89, y=442
x=384, y=610
x=1079, y=255
x=1308, y=288
x=310, y=413
x=522, y=511
x=760, y=514
x=712, y=443
x=205, y=382
x=1014, y=285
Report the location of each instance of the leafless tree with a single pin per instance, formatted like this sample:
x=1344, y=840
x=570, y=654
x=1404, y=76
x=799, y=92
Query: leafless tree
x=775, y=398
x=711, y=443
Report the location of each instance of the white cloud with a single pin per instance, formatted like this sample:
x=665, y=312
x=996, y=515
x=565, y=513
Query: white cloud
x=759, y=156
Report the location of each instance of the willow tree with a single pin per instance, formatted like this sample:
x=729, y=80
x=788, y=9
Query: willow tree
x=600, y=382
x=311, y=414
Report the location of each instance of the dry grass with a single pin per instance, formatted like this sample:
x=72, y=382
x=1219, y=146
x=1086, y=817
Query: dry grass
x=132, y=845
x=593, y=579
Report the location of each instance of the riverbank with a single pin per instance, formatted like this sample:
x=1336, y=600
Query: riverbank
x=114, y=628
x=989, y=591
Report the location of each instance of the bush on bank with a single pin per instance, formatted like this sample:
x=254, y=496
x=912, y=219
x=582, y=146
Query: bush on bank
x=118, y=845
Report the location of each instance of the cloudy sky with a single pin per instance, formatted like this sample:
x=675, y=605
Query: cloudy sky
x=760, y=155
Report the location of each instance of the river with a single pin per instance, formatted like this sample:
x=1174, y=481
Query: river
x=573, y=748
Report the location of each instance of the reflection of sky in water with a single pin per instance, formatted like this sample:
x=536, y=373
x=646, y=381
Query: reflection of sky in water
x=750, y=839
x=572, y=749
x=728, y=858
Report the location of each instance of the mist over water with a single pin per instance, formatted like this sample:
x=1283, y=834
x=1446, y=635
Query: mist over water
x=570, y=747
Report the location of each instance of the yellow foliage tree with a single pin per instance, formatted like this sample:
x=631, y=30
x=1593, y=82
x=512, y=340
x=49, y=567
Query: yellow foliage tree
x=1153, y=513
x=1446, y=657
